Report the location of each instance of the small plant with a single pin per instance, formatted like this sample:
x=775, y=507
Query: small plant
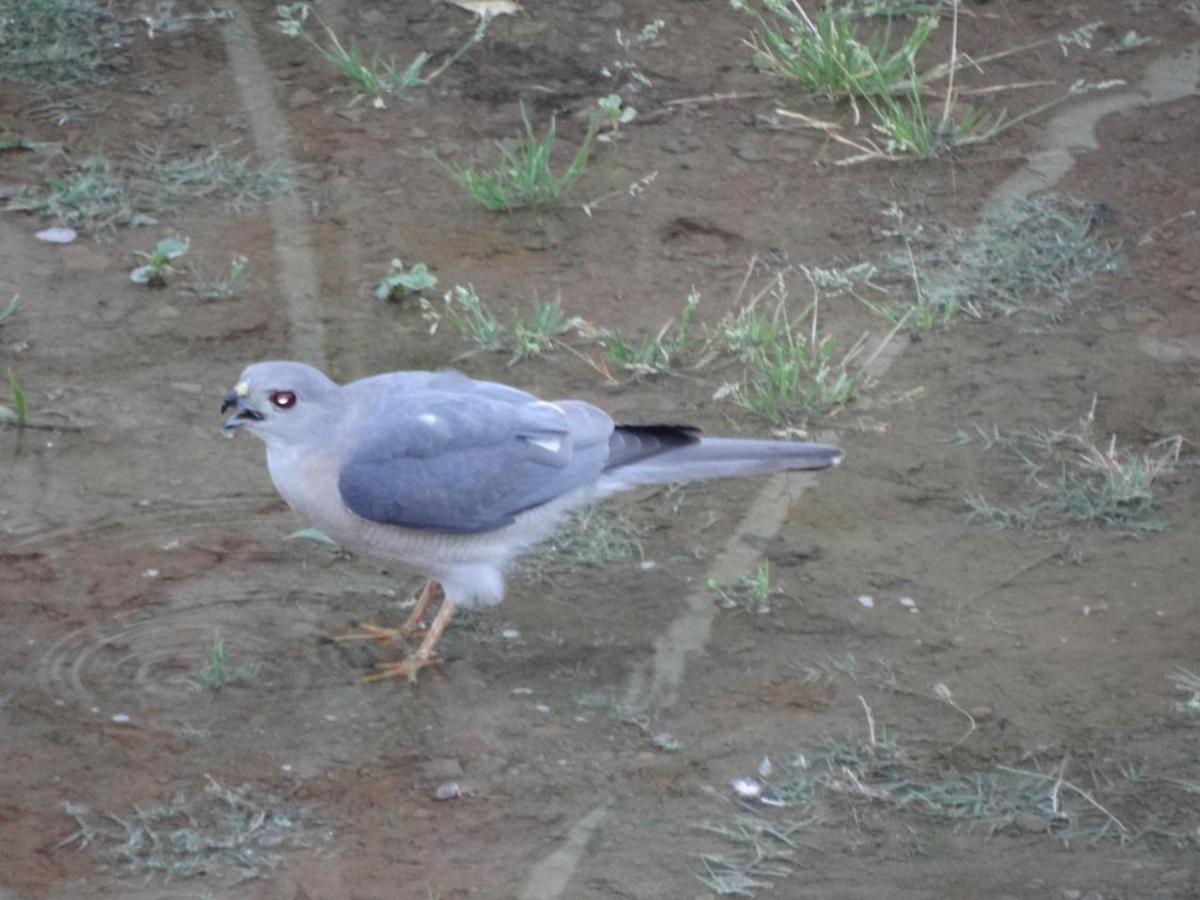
x=55, y=43
x=376, y=76
x=822, y=52
x=223, y=287
x=627, y=67
x=1189, y=683
x=615, y=112
x=656, y=353
x=475, y=322
x=217, y=673
x=158, y=262
x=1103, y=485
x=751, y=594
x=172, y=176
x=399, y=283
x=14, y=305
x=525, y=179
x=18, y=413
x=789, y=368
x=91, y=197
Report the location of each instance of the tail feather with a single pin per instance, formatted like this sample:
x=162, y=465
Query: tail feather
x=664, y=454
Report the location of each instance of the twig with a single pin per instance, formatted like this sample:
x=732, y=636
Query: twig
x=953, y=68
x=714, y=98
x=870, y=721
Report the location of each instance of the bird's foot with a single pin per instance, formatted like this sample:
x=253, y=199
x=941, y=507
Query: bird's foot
x=368, y=632
x=405, y=668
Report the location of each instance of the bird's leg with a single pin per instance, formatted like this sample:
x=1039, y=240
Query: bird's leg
x=425, y=656
x=410, y=628
x=412, y=625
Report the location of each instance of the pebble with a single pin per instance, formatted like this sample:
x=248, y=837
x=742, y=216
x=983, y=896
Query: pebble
x=867, y=602
x=121, y=719
x=448, y=791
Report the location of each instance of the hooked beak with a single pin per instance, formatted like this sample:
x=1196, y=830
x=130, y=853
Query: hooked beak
x=243, y=412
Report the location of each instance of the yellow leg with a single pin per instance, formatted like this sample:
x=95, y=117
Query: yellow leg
x=424, y=656
x=410, y=628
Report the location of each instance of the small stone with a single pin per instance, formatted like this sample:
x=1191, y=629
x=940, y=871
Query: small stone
x=448, y=791
x=374, y=17
x=121, y=719
x=442, y=768
x=57, y=235
x=866, y=602
x=1029, y=823
x=417, y=133
x=302, y=97
x=750, y=149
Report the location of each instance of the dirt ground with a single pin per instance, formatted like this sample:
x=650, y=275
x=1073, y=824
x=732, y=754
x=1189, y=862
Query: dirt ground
x=594, y=723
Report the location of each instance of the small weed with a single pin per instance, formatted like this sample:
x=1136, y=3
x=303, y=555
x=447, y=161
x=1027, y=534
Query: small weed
x=13, y=307
x=1189, y=683
x=616, y=113
x=227, y=832
x=525, y=338
x=377, y=76
x=399, y=283
x=18, y=413
x=55, y=43
x=217, y=672
x=789, y=367
x=822, y=53
x=166, y=177
x=656, y=353
x=221, y=287
x=626, y=67
x=752, y=594
x=91, y=197
x=1094, y=484
x=525, y=180
x=158, y=262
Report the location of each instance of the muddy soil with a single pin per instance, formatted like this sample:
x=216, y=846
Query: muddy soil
x=594, y=722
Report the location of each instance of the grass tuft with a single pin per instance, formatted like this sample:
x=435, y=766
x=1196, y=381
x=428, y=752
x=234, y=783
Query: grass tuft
x=525, y=179
x=1092, y=483
x=226, y=832
x=376, y=75
x=523, y=339
x=55, y=43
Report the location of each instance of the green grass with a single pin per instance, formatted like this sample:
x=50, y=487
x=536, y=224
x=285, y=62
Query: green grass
x=1073, y=479
x=221, y=832
x=823, y=52
x=752, y=594
x=11, y=309
x=400, y=282
x=166, y=177
x=99, y=194
x=375, y=75
x=220, y=287
x=218, y=673
x=790, y=369
x=55, y=43
x=18, y=412
x=656, y=353
x=523, y=338
x=525, y=178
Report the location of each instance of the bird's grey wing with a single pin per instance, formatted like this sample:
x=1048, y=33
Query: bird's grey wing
x=465, y=462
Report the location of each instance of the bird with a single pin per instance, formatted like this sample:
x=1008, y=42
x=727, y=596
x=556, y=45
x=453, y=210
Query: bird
x=454, y=477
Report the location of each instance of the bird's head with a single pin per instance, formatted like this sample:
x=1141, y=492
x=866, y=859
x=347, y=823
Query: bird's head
x=282, y=402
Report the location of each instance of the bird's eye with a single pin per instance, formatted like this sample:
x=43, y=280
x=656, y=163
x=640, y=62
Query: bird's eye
x=283, y=399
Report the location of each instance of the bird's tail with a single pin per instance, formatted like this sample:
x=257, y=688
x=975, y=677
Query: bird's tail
x=661, y=454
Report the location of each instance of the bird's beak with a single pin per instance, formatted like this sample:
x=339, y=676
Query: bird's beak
x=243, y=411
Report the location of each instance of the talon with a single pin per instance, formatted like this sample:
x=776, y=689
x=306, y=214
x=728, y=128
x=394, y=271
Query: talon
x=405, y=668
x=369, y=632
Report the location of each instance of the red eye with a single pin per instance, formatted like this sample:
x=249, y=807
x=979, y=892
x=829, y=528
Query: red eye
x=283, y=399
